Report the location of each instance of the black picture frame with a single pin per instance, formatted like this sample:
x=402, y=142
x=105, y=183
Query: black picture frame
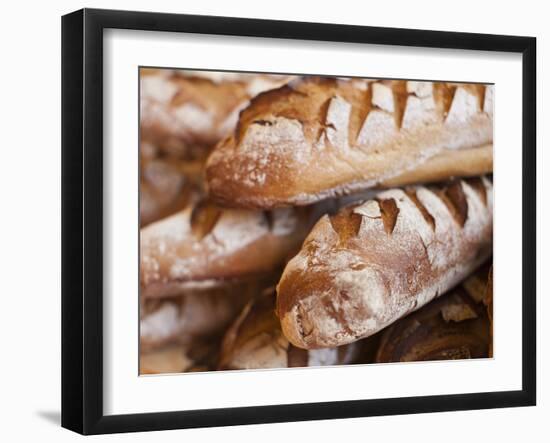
x=82, y=220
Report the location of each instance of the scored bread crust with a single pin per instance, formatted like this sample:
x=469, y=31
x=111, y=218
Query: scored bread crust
x=204, y=246
x=370, y=264
x=187, y=114
x=315, y=137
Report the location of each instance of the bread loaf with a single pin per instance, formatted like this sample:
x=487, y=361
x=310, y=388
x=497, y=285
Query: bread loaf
x=372, y=263
x=255, y=341
x=166, y=185
x=319, y=137
x=205, y=245
x=191, y=316
x=455, y=326
x=184, y=114
x=446, y=165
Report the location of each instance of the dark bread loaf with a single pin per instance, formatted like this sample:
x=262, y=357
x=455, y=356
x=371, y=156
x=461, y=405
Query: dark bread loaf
x=370, y=264
x=319, y=137
x=455, y=326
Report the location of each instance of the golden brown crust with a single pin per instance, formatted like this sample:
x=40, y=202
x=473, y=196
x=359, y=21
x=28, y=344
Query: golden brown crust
x=205, y=245
x=455, y=326
x=182, y=112
x=370, y=264
x=319, y=137
x=448, y=164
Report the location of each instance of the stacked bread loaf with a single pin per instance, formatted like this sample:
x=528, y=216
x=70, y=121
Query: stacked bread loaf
x=305, y=221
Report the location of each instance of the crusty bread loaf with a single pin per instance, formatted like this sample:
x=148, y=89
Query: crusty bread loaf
x=319, y=137
x=205, y=245
x=166, y=184
x=181, y=113
x=194, y=315
x=446, y=165
x=255, y=341
x=429, y=334
x=455, y=326
x=370, y=264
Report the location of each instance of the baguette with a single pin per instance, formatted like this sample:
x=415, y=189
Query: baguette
x=205, y=245
x=455, y=326
x=187, y=114
x=370, y=264
x=446, y=165
x=316, y=138
x=255, y=341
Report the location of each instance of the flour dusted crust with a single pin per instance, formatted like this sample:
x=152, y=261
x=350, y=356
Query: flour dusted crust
x=319, y=137
x=255, y=341
x=370, y=264
x=206, y=246
x=181, y=111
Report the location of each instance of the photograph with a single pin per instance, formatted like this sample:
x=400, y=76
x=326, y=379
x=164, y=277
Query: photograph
x=291, y=220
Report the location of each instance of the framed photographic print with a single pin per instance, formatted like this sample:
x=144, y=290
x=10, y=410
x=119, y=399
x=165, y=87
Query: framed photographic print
x=273, y=221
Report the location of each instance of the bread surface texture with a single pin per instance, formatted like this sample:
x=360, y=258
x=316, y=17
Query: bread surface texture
x=167, y=185
x=255, y=341
x=370, y=264
x=453, y=327
x=205, y=245
x=191, y=316
x=316, y=137
x=186, y=112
